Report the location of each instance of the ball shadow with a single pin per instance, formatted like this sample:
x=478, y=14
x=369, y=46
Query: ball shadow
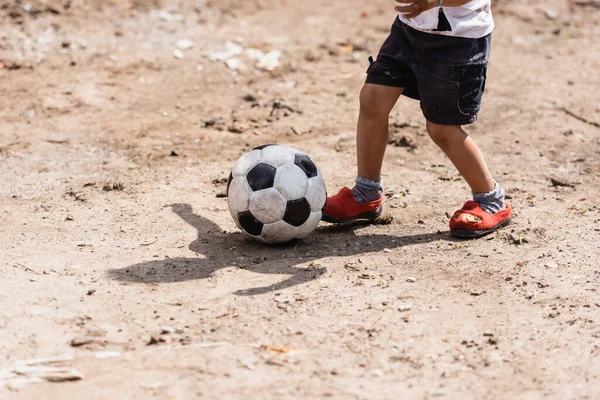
x=221, y=250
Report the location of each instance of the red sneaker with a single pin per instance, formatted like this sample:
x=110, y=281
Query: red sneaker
x=342, y=208
x=471, y=221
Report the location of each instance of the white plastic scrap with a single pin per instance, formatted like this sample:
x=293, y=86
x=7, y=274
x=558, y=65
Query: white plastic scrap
x=184, y=44
x=178, y=54
x=269, y=61
x=231, y=50
x=266, y=61
x=233, y=63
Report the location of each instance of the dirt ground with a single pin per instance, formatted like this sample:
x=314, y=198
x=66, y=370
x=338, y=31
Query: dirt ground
x=120, y=121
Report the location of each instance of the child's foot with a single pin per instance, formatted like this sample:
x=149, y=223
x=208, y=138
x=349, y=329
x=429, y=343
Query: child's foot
x=472, y=221
x=343, y=208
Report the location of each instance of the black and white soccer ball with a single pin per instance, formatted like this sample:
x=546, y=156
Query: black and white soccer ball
x=275, y=194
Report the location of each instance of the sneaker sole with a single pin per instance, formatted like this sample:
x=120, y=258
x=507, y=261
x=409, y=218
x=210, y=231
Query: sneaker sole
x=368, y=216
x=473, y=233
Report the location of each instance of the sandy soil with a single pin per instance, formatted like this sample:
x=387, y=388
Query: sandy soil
x=118, y=248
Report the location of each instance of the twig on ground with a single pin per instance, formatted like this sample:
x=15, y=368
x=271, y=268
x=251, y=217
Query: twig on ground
x=579, y=117
x=27, y=268
x=188, y=346
x=149, y=243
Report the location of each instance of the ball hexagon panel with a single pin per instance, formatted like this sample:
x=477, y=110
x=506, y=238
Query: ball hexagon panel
x=279, y=232
x=261, y=177
x=246, y=163
x=291, y=182
x=278, y=156
x=249, y=223
x=316, y=194
x=305, y=163
x=238, y=196
x=267, y=205
x=309, y=226
x=297, y=212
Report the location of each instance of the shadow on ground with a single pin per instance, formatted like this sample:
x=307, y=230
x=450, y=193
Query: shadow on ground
x=221, y=250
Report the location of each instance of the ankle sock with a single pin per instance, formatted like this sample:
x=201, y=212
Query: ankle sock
x=366, y=189
x=491, y=202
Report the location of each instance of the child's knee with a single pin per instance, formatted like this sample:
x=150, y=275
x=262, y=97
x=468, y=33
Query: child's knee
x=441, y=134
x=372, y=103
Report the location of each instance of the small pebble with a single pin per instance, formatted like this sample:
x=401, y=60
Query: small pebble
x=178, y=54
x=184, y=44
x=166, y=330
x=410, y=279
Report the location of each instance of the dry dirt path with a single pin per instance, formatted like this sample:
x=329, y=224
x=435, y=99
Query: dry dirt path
x=116, y=234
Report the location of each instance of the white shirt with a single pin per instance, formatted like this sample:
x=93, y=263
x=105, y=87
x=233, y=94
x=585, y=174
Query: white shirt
x=473, y=20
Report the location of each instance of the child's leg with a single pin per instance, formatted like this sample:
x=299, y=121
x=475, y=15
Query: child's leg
x=464, y=154
x=468, y=159
x=376, y=103
x=364, y=200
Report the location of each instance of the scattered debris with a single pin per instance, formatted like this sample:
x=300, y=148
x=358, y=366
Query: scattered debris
x=277, y=349
x=282, y=105
x=154, y=340
x=184, y=44
x=149, y=243
x=351, y=267
x=579, y=117
x=178, y=54
x=384, y=219
x=230, y=55
x=10, y=65
x=234, y=63
x=551, y=265
x=166, y=330
x=557, y=183
x=402, y=141
x=77, y=196
x=81, y=340
x=517, y=238
x=27, y=268
x=220, y=181
x=57, y=141
x=231, y=50
x=269, y=61
x=113, y=186
x=551, y=13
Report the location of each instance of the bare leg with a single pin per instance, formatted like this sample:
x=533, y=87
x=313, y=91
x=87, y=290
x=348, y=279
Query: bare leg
x=464, y=154
x=376, y=103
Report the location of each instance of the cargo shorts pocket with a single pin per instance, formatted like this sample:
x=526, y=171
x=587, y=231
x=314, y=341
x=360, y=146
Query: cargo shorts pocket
x=470, y=83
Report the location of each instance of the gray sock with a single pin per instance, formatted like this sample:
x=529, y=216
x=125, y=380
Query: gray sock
x=493, y=201
x=366, y=190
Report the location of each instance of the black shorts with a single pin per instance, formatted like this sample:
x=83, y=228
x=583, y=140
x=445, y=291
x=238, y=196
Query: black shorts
x=447, y=74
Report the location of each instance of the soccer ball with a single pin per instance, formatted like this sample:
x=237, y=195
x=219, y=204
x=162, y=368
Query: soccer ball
x=275, y=194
